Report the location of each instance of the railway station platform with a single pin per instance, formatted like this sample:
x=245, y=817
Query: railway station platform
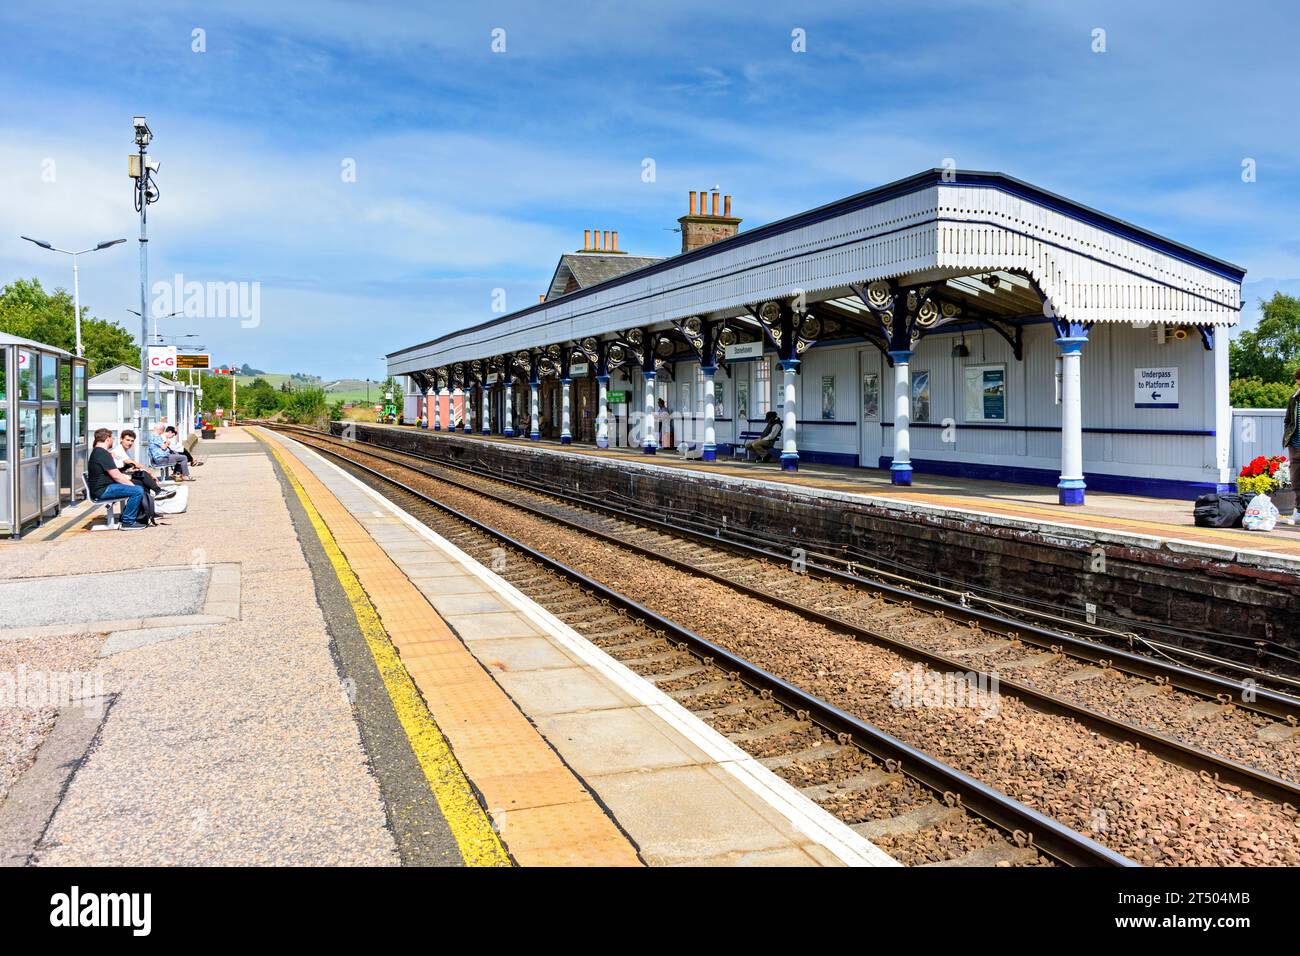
x=1147, y=522
x=295, y=671
x=1134, y=566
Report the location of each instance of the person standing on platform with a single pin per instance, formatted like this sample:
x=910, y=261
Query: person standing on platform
x=1291, y=439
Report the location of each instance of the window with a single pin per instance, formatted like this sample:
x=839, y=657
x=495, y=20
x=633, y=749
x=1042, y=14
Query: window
x=762, y=389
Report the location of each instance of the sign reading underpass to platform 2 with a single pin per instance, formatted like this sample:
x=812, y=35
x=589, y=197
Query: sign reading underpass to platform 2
x=1155, y=388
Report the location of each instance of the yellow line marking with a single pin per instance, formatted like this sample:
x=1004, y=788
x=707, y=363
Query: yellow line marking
x=478, y=842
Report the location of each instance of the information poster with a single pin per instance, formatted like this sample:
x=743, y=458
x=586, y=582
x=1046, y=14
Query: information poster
x=921, y=397
x=1155, y=388
x=985, y=393
x=828, y=398
x=742, y=402
x=871, y=397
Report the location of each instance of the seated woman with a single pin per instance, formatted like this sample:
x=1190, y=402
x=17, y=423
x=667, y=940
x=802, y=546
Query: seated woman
x=174, y=445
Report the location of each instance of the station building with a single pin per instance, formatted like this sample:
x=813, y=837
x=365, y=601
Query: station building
x=954, y=322
x=115, y=396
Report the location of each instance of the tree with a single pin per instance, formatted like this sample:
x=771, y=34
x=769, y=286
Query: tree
x=1252, y=393
x=1271, y=350
x=258, y=399
x=28, y=311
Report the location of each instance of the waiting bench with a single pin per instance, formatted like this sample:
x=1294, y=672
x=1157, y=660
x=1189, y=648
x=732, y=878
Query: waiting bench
x=112, y=507
x=738, y=450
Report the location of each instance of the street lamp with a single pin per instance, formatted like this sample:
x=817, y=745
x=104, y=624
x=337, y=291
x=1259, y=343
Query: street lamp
x=76, y=286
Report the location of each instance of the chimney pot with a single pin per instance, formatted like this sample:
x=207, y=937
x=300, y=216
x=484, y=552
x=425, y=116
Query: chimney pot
x=692, y=202
x=586, y=239
x=726, y=206
x=715, y=204
x=613, y=241
x=604, y=242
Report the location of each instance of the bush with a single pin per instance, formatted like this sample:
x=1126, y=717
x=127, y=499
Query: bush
x=1255, y=393
x=307, y=406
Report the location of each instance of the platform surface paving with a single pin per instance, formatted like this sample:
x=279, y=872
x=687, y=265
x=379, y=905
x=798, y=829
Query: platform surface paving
x=501, y=675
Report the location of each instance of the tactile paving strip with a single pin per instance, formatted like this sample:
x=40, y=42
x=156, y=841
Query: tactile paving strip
x=544, y=814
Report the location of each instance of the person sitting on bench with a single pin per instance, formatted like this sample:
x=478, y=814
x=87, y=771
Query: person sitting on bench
x=760, y=446
x=121, y=453
x=160, y=457
x=107, y=483
x=177, y=447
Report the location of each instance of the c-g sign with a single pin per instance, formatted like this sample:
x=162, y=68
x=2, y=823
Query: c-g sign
x=162, y=358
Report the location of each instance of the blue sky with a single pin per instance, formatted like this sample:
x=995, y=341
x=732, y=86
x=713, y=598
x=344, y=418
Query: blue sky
x=475, y=170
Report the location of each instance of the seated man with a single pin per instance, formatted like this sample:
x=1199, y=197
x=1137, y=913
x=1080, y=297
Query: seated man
x=159, y=456
x=762, y=445
x=122, y=458
x=107, y=483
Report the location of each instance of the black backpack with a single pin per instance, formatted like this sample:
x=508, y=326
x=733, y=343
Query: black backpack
x=1219, y=510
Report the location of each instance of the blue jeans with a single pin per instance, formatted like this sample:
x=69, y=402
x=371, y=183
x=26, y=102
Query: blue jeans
x=132, y=493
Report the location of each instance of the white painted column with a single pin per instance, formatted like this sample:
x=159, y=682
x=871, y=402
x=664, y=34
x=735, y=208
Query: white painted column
x=484, y=395
x=437, y=409
x=566, y=393
x=535, y=428
x=602, y=414
x=1071, y=486
x=649, y=427
x=789, y=447
x=467, y=410
x=424, y=402
x=900, y=472
x=709, y=452
x=508, y=409
x=1222, y=413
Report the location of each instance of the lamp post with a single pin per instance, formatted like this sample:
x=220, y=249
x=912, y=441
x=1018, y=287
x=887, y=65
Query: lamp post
x=141, y=169
x=76, y=285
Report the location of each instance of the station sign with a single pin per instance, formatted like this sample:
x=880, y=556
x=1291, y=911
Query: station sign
x=616, y=398
x=742, y=351
x=192, y=360
x=162, y=358
x=579, y=370
x=1155, y=388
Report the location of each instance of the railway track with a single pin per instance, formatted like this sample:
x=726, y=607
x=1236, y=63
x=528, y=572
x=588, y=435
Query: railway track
x=726, y=568
x=919, y=810
x=1244, y=734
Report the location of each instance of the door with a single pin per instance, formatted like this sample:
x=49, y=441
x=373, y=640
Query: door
x=871, y=408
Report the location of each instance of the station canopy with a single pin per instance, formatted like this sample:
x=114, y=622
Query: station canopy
x=984, y=249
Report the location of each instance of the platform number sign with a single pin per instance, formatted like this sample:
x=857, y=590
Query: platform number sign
x=1155, y=388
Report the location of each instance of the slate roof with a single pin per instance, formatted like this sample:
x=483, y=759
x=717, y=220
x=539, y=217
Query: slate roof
x=588, y=269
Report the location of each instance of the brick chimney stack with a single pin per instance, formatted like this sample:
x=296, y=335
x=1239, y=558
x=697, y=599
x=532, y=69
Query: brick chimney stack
x=700, y=226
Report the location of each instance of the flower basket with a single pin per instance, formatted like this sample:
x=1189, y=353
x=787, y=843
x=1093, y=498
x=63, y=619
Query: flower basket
x=1268, y=476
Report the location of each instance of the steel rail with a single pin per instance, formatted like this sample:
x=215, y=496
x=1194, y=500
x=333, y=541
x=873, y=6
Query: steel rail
x=1167, y=748
x=1243, y=693
x=1005, y=813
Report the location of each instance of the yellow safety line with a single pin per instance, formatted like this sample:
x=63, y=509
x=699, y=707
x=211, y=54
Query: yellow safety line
x=478, y=841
